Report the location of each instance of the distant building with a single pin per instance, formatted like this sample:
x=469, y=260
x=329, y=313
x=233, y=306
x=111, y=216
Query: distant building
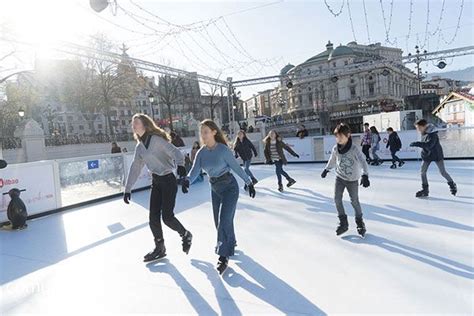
x=346, y=83
x=259, y=104
x=441, y=86
x=457, y=109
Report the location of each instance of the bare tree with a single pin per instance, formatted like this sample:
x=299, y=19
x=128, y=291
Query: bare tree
x=168, y=93
x=215, y=98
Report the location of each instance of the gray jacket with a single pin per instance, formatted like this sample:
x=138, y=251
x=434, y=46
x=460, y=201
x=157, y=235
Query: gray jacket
x=161, y=158
x=349, y=164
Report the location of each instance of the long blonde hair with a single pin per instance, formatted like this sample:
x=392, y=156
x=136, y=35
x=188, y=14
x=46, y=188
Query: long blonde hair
x=150, y=127
x=219, y=137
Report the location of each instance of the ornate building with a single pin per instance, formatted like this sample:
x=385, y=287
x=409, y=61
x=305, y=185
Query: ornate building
x=343, y=84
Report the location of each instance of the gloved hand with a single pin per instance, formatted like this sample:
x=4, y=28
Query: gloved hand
x=269, y=162
x=127, y=197
x=365, y=181
x=297, y=156
x=185, y=185
x=414, y=144
x=251, y=189
x=182, y=171
x=324, y=173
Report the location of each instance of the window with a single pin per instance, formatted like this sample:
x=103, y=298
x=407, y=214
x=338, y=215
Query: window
x=81, y=127
x=60, y=118
x=346, y=62
x=99, y=126
x=334, y=64
x=70, y=118
x=320, y=69
x=129, y=112
x=123, y=122
x=143, y=103
x=310, y=98
x=353, y=92
x=371, y=89
x=300, y=99
x=122, y=112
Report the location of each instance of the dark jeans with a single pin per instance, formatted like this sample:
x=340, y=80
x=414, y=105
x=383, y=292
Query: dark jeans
x=225, y=193
x=162, y=202
x=395, y=157
x=280, y=172
x=353, y=189
x=366, y=151
x=247, y=168
x=442, y=170
x=374, y=153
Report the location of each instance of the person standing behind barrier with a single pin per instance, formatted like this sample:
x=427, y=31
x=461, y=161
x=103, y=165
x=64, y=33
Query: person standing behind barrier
x=366, y=141
x=243, y=147
x=394, y=144
x=375, y=145
x=216, y=159
x=274, y=154
x=115, y=148
x=431, y=151
x=155, y=150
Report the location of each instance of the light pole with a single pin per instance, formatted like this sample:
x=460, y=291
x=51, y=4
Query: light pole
x=418, y=59
x=151, y=98
x=21, y=113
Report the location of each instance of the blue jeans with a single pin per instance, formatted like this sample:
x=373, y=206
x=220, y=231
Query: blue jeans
x=247, y=168
x=280, y=172
x=225, y=193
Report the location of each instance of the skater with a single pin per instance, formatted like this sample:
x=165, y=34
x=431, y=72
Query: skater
x=274, y=154
x=394, y=144
x=243, y=147
x=115, y=148
x=366, y=141
x=431, y=151
x=375, y=145
x=155, y=150
x=194, y=150
x=348, y=161
x=216, y=159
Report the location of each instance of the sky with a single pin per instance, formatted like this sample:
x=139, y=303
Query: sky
x=253, y=39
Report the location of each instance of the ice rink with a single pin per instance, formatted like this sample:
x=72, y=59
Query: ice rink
x=417, y=256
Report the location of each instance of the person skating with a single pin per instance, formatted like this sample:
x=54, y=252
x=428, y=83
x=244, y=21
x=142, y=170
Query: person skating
x=217, y=160
x=155, y=150
x=348, y=161
x=274, y=154
x=366, y=142
x=431, y=151
x=194, y=150
x=394, y=144
x=375, y=146
x=243, y=147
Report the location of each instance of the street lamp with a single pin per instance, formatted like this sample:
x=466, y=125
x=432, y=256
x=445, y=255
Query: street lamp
x=21, y=112
x=151, y=98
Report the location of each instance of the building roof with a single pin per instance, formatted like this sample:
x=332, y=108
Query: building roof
x=458, y=95
x=340, y=51
x=285, y=69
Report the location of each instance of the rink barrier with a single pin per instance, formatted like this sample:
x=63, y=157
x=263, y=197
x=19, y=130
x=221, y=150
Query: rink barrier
x=54, y=186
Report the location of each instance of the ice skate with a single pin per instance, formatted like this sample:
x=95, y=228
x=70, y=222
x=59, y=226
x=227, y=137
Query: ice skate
x=400, y=164
x=280, y=187
x=360, y=226
x=453, y=188
x=222, y=265
x=158, y=253
x=343, y=225
x=394, y=166
x=424, y=192
x=290, y=182
x=187, y=240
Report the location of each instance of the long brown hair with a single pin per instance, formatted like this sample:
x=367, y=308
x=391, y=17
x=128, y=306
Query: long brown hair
x=219, y=137
x=267, y=139
x=150, y=127
x=237, y=139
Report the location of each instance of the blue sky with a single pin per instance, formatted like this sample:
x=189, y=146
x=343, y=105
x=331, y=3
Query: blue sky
x=266, y=38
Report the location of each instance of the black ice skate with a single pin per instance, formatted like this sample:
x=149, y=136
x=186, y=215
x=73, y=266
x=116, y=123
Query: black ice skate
x=343, y=225
x=424, y=192
x=187, y=239
x=158, y=253
x=401, y=163
x=360, y=226
x=394, y=166
x=222, y=264
x=290, y=182
x=280, y=187
x=254, y=181
x=453, y=187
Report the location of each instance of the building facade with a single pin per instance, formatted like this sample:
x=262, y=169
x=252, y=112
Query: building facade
x=456, y=110
x=344, y=84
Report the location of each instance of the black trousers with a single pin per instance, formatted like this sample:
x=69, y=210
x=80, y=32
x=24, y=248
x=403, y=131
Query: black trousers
x=394, y=156
x=162, y=202
x=366, y=151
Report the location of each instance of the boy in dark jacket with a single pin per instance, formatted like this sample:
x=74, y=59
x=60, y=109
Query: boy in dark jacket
x=395, y=144
x=431, y=151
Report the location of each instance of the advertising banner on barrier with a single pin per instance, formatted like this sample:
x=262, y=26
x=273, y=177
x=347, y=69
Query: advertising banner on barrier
x=303, y=147
x=144, y=179
x=405, y=152
x=38, y=181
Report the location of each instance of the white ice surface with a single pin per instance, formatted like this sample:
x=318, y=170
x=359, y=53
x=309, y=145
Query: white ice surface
x=416, y=258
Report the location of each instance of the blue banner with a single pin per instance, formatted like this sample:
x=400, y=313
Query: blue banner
x=93, y=164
